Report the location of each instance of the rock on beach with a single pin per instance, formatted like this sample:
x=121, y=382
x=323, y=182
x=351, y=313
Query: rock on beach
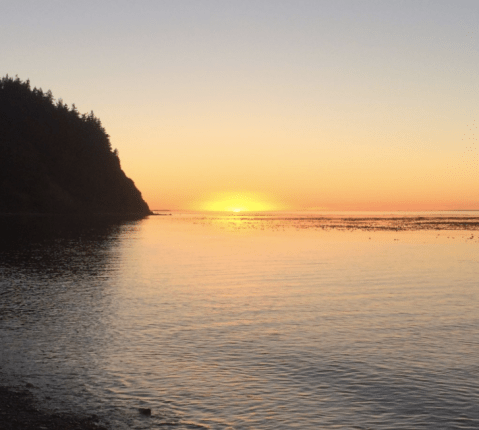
x=19, y=412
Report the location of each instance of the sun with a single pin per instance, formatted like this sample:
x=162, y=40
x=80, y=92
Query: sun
x=237, y=202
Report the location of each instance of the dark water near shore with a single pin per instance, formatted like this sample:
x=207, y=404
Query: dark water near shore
x=277, y=321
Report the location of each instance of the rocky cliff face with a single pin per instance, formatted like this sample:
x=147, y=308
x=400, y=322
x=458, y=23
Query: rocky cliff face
x=55, y=160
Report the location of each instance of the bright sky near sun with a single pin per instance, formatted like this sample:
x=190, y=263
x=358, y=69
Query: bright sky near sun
x=268, y=104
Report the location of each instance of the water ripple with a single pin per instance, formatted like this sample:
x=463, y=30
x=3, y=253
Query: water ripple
x=268, y=330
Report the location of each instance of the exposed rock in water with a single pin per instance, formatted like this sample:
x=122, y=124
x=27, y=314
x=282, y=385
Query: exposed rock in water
x=55, y=160
x=145, y=411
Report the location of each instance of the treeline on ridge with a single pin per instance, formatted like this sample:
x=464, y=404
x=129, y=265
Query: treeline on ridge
x=55, y=160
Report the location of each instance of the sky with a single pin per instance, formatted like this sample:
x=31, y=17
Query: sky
x=268, y=104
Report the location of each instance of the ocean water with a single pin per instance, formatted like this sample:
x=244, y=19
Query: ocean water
x=246, y=321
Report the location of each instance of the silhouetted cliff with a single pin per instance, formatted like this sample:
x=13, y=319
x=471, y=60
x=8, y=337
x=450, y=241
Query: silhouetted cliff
x=56, y=160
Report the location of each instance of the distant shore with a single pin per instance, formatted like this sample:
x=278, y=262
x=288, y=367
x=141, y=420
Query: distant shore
x=126, y=216
x=18, y=411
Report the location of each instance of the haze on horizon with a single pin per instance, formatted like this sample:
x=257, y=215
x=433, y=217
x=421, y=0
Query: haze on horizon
x=268, y=105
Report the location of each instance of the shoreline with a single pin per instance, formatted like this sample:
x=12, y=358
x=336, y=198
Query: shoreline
x=116, y=215
x=20, y=411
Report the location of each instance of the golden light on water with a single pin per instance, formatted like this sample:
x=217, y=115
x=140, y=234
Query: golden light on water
x=237, y=202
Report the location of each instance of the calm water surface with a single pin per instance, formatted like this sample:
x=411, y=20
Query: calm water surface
x=279, y=321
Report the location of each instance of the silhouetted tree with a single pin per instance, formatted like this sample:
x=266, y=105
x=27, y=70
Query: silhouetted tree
x=54, y=159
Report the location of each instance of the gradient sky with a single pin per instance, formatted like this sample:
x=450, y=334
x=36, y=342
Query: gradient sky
x=344, y=105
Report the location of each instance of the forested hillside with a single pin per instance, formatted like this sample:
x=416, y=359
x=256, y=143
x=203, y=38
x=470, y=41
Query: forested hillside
x=55, y=160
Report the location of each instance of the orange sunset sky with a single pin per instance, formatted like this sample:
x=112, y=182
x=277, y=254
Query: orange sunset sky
x=265, y=105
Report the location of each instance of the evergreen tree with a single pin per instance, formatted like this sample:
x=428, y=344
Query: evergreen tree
x=54, y=159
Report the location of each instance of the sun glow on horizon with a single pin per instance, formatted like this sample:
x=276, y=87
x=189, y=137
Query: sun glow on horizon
x=236, y=202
